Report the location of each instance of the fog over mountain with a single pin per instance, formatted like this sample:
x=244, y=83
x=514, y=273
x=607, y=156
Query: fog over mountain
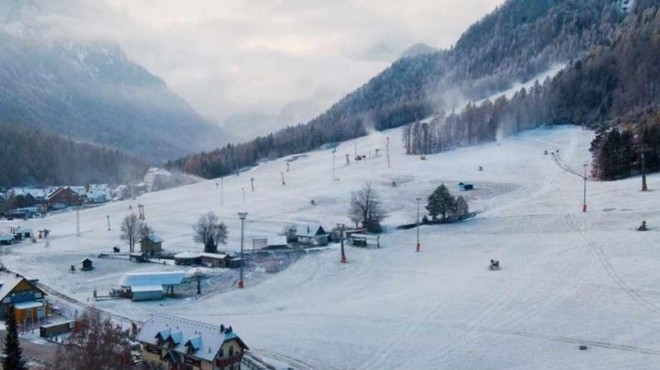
x=88, y=89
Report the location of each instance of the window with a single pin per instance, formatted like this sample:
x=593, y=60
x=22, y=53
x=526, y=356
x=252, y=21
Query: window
x=231, y=351
x=221, y=353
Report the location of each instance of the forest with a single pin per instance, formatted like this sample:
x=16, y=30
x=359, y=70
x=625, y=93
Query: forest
x=32, y=157
x=615, y=89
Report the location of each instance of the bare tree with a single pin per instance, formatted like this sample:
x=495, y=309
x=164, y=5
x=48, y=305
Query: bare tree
x=130, y=230
x=210, y=231
x=366, y=209
x=94, y=343
x=145, y=231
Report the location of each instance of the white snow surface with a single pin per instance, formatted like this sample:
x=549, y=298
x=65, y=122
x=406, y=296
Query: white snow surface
x=568, y=278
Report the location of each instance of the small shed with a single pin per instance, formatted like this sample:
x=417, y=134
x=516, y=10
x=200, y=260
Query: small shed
x=146, y=292
x=51, y=330
x=188, y=258
x=214, y=259
x=463, y=186
x=87, y=264
x=277, y=242
x=6, y=239
x=151, y=245
x=137, y=257
x=312, y=235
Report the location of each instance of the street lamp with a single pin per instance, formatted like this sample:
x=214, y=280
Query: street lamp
x=341, y=237
x=418, y=245
x=584, y=193
x=242, y=216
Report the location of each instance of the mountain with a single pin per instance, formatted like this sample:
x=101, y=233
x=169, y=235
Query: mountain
x=30, y=157
x=613, y=89
x=91, y=91
x=517, y=41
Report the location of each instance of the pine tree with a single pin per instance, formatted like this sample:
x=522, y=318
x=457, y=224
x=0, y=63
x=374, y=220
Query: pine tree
x=13, y=353
x=462, y=208
x=441, y=203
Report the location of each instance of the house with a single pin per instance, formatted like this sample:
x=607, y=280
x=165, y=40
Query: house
x=312, y=235
x=188, y=258
x=6, y=239
x=172, y=342
x=146, y=293
x=87, y=265
x=151, y=245
x=24, y=294
x=62, y=197
x=465, y=186
x=98, y=193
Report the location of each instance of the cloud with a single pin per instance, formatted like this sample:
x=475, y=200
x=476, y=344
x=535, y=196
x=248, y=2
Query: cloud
x=279, y=59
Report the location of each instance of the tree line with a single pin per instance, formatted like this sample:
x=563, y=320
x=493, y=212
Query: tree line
x=615, y=89
x=32, y=157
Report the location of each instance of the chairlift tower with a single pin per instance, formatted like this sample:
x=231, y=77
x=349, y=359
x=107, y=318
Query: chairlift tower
x=242, y=216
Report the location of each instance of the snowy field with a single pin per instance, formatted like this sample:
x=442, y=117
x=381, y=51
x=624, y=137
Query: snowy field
x=567, y=278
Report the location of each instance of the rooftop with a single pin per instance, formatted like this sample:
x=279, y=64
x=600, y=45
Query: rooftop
x=152, y=278
x=205, y=339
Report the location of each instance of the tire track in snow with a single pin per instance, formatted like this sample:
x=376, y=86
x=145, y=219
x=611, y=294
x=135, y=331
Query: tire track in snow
x=611, y=271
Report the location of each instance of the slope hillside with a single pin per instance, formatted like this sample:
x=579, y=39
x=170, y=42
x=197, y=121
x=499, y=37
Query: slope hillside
x=568, y=278
x=91, y=91
x=519, y=40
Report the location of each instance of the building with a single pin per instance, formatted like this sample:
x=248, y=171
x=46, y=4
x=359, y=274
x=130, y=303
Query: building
x=147, y=281
x=62, y=197
x=277, y=242
x=312, y=235
x=220, y=260
x=147, y=293
x=176, y=343
x=152, y=245
x=188, y=258
x=98, y=193
x=87, y=265
x=465, y=186
x=6, y=239
x=24, y=294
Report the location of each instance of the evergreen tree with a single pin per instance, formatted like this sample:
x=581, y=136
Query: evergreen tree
x=441, y=203
x=13, y=353
x=462, y=208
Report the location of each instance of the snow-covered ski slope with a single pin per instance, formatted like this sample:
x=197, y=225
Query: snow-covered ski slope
x=567, y=278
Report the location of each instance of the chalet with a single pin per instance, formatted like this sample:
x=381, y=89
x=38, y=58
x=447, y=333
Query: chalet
x=24, y=294
x=188, y=258
x=62, y=197
x=151, y=245
x=171, y=342
x=312, y=235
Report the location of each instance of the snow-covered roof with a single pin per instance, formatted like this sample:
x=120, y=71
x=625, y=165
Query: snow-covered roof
x=155, y=238
x=152, y=278
x=6, y=237
x=146, y=288
x=277, y=240
x=310, y=230
x=9, y=281
x=28, y=304
x=188, y=255
x=206, y=340
x=214, y=255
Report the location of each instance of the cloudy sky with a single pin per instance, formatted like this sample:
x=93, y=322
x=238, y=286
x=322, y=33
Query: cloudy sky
x=273, y=62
